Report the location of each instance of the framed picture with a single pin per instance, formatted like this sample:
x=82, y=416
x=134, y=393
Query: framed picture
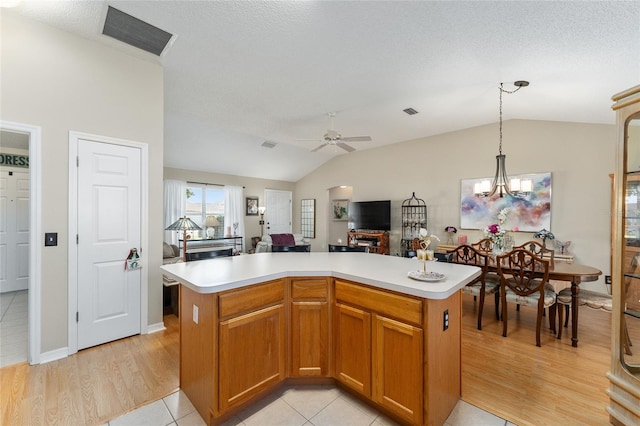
x=340, y=209
x=252, y=206
x=528, y=214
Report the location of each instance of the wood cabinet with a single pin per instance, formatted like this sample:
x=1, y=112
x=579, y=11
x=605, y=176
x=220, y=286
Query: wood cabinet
x=378, y=242
x=310, y=327
x=252, y=327
x=243, y=341
x=353, y=348
x=397, y=367
x=238, y=345
x=378, y=356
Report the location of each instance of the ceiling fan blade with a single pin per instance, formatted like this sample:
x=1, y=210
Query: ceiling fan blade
x=345, y=147
x=318, y=148
x=357, y=139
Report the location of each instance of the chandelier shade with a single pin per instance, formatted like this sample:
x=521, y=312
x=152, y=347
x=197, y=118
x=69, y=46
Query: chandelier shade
x=501, y=184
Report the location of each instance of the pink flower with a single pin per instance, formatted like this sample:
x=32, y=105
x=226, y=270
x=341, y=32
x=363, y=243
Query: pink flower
x=515, y=229
x=493, y=228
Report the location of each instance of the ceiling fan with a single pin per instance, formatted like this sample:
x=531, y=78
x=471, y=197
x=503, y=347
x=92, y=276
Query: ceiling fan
x=333, y=137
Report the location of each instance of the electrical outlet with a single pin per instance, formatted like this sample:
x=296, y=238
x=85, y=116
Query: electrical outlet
x=607, y=279
x=195, y=313
x=445, y=320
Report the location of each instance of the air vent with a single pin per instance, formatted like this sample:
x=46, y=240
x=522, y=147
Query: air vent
x=135, y=32
x=268, y=144
x=410, y=111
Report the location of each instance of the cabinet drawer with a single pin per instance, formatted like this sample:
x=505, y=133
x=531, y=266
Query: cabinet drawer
x=309, y=288
x=392, y=305
x=235, y=302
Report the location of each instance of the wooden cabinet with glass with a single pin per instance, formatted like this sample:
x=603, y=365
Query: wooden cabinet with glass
x=624, y=390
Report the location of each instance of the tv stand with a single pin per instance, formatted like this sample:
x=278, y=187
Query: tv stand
x=377, y=241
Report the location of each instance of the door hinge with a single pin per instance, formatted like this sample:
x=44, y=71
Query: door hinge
x=77, y=239
x=77, y=316
x=77, y=161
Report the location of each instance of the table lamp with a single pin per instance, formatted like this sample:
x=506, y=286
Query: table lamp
x=211, y=223
x=183, y=224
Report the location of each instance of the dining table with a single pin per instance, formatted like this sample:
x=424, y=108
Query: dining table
x=574, y=273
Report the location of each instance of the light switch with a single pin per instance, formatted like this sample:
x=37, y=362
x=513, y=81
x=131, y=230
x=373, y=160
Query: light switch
x=50, y=239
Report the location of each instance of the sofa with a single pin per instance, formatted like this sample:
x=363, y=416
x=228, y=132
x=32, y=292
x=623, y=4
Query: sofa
x=170, y=254
x=267, y=241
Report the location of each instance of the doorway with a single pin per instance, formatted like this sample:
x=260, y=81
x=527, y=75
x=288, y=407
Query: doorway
x=278, y=211
x=108, y=192
x=26, y=138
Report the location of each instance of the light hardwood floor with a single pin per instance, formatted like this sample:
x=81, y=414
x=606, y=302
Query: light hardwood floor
x=549, y=385
x=94, y=385
x=510, y=377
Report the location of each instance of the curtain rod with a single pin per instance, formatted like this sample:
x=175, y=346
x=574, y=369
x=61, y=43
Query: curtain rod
x=210, y=184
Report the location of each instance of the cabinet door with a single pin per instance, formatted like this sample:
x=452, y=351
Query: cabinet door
x=397, y=368
x=310, y=338
x=252, y=354
x=353, y=348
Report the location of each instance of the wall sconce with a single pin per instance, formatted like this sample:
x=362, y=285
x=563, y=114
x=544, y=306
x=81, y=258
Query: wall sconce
x=261, y=211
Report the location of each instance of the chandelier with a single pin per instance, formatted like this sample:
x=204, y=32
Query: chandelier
x=501, y=184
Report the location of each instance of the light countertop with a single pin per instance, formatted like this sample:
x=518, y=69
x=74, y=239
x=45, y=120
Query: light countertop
x=385, y=272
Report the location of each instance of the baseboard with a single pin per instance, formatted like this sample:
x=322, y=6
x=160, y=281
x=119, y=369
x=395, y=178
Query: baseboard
x=54, y=355
x=153, y=328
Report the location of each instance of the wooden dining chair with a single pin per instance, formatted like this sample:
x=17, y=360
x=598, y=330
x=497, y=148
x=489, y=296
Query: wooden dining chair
x=485, y=245
x=539, y=250
x=523, y=276
x=468, y=255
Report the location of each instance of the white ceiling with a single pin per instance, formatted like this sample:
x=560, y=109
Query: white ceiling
x=243, y=72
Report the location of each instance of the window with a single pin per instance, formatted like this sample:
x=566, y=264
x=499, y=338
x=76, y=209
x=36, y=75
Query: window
x=203, y=201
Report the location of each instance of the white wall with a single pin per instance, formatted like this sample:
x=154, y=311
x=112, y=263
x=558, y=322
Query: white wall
x=580, y=158
x=62, y=82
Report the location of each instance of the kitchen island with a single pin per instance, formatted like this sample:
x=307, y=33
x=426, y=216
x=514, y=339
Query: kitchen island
x=250, y=323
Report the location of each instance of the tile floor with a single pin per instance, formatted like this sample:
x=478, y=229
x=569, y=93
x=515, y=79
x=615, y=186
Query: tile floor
x=13, y=327
x=292, y=406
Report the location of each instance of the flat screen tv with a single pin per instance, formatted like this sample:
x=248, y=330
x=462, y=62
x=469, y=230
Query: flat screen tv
x=370, y=215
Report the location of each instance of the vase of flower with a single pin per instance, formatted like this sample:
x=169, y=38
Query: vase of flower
x=450, y=230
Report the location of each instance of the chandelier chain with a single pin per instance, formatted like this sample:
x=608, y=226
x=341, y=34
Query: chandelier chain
x=501, y=88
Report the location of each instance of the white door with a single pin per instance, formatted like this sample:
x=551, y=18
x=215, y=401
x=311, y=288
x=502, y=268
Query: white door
x=109, y=225
x=14, y=230
x=277, y=215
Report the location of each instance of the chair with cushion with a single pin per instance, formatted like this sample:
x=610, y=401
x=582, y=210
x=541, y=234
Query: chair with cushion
x=539, y=250
x=305, y=248
x=343, y=249
x=208, y=254
x=468, y=255
x=268, y=241
x=170, y=254
x=523, y=277
x=443, y=257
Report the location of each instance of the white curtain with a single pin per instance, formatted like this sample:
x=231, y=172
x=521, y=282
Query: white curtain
x=234, y=210
x=175, y=203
